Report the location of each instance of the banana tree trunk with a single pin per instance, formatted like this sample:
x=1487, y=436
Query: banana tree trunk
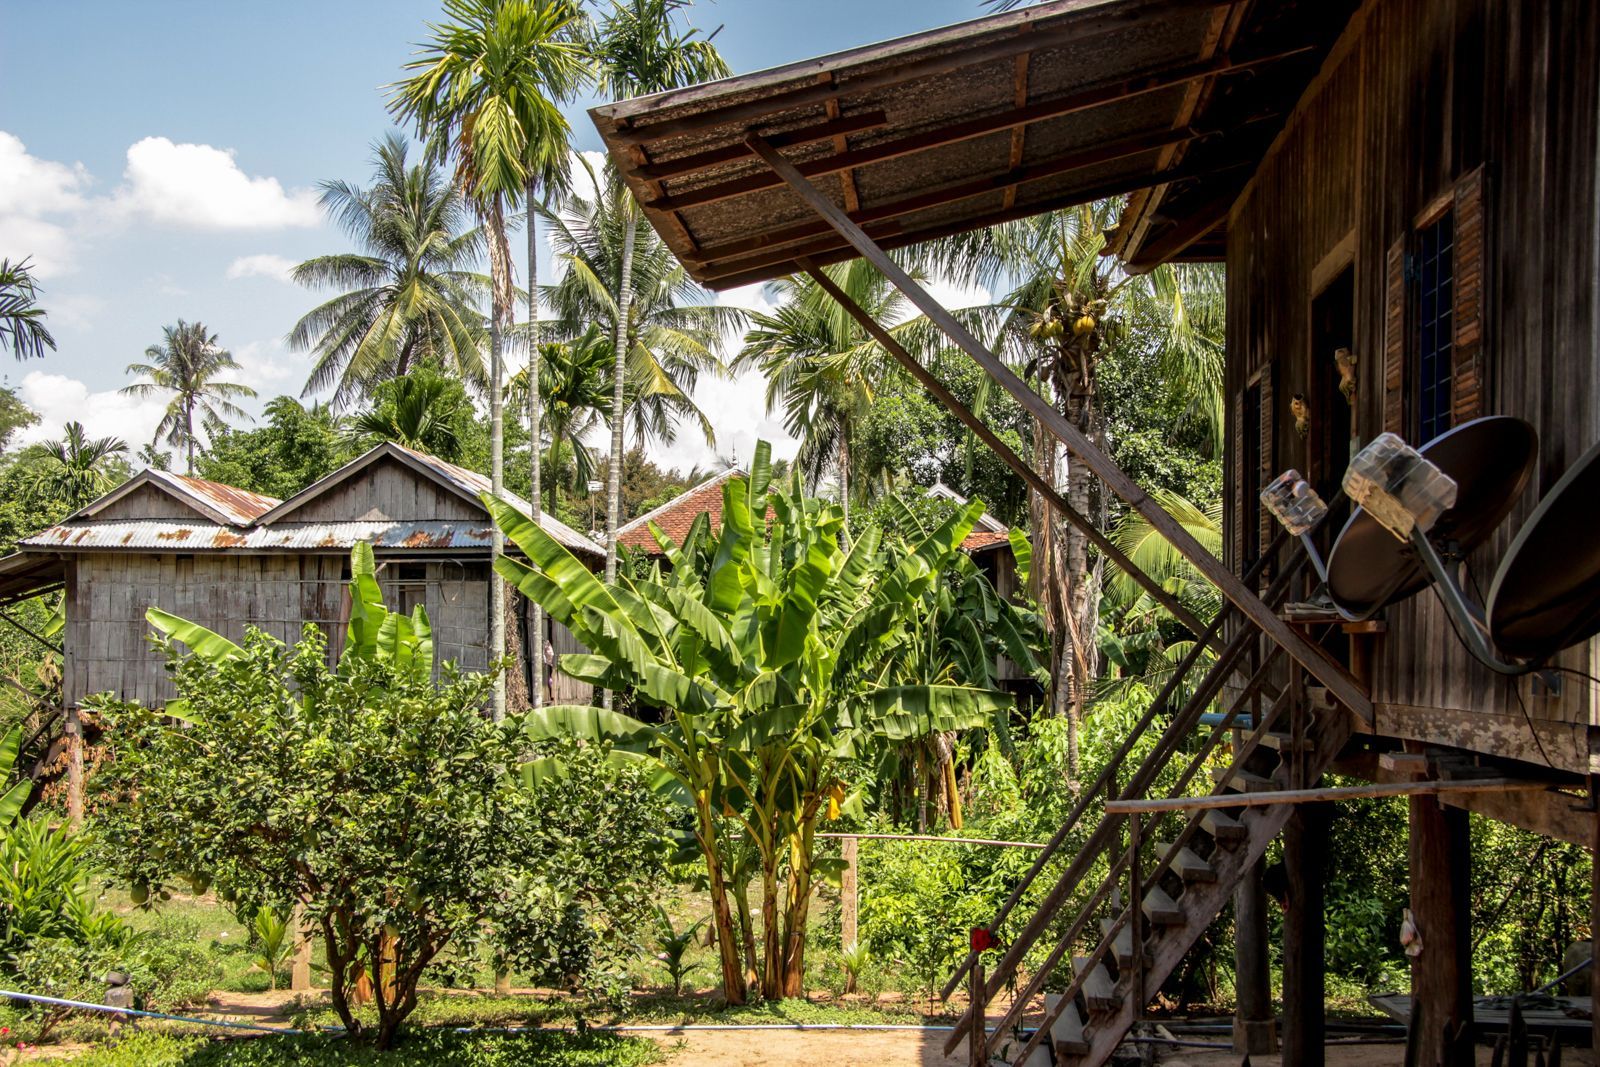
x=733, y=986
x=535, y=427
x=947, y=775
x=618, y=412
x=798, y=909
x=747, y=929
x=772, y=960
x=500, y=313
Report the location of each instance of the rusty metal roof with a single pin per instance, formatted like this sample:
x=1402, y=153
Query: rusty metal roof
x=959, y=128
x=233, y=519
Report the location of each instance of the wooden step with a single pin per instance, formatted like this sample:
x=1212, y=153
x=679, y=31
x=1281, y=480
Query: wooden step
x=1122, y=945
x=1187, y=865
x=1283, y=742
x=1066, y=1033
x=1162, y=909
x=1223, y=828
x=1320, y=697
x=1243, y=781
x=1099, y=992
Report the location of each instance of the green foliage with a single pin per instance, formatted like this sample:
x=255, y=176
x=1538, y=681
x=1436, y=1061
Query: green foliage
x=422, y=410
x=434, y=1048
x=23, y=331
x=272, y=942
x=185, y=367
x=369, y=792
x=295, y=447
x=672, y=945
x=14, y=415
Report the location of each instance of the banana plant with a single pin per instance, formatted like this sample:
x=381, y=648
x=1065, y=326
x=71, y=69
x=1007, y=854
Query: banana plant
x=374, y=633
x=771, y=656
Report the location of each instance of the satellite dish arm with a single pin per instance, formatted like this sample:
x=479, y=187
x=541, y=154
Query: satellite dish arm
x=1467, y=622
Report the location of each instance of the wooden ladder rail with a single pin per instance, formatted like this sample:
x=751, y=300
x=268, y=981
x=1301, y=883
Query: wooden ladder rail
x=1110, y=825
x=1163, y=864
x=1202, y=642
x=1182, y=724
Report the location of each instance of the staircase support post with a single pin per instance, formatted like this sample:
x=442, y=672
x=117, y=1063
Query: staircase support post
x=1254, y=1027
x=1441, y=975
x=980, y=1034
x=1305, y=860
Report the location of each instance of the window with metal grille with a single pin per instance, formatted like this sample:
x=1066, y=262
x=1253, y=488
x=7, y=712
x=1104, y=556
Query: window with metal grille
x=1433, y=367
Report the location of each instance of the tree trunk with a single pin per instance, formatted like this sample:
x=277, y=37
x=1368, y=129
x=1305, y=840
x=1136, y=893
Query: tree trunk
x=535, y=426
x=500, y=285
x=798, y=912
x=844, y=476
x=771, y=929
x=947, y=776
x=747, y=929
x=518, y=699
x=618, y=414
x=733, y=988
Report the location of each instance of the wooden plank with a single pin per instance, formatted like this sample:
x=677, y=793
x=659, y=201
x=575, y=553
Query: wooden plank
x=1441, y=902
x=1066, y=1033
x=971, y=129
x=837, y=126
x=1189, y=866
x=1019, y=136
x=1161, y=909
x=1028, y=37
x=1099, y=992
x=1305, y=857
x=1314, y=660
x=1315, y=796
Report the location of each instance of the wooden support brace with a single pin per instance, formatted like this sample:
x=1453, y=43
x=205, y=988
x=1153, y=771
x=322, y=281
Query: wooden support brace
x=1317, y=796
x=1264, y=618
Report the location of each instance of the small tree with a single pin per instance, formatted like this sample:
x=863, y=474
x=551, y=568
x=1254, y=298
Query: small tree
x=370, y=793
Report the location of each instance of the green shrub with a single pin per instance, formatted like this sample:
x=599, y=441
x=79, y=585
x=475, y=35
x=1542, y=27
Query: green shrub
x=427, y=1048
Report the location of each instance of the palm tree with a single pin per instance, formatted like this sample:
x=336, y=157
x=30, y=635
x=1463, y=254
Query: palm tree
x=185, y=365
x=408, y=292
x=420, y=411
x=487, y=88
x=821, y=365
x=577, y=393
x=22, y=327
x=673, y=327
x=1069, y=309
x=638, y=49
x=74, y=466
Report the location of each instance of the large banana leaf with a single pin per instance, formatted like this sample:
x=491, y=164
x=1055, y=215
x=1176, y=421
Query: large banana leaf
x=900, y=713
x=577, y=584
x=1022, y=549
x=584, y=723
x=210, y=646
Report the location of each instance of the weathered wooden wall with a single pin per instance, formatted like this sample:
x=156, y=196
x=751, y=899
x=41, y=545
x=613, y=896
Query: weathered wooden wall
x=1417, y=95
x=148, y=502
x=387, y=490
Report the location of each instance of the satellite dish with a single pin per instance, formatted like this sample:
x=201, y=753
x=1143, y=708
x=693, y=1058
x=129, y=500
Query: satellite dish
x=1546, y=595
x=1490, y=460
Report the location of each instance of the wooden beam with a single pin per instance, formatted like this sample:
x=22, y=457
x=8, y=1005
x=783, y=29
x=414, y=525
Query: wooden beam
x=934, y=839
x=1186, y=231
x=1072, y=103
x=1019, y=136
x=1023, y=469
x=966, y=190
x=1255, y=1030
x=847, y=177
x=1305, y=861
x=835, y=128
x=1229, y=584
x=1268, y=798
x=824, y=252
x=1028, y=38
x=1441, y=909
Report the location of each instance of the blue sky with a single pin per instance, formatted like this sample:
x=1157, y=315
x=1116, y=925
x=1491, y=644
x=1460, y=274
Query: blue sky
x=159, y=160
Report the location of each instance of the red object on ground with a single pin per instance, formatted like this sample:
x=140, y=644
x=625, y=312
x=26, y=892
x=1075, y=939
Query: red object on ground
x=981, y=939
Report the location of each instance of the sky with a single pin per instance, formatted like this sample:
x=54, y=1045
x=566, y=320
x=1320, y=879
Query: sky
x=160, y=161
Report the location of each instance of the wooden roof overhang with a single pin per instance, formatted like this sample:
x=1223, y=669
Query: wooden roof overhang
x=974, y=124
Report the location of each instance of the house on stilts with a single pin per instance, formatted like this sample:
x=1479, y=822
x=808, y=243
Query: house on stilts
x=1407, y=199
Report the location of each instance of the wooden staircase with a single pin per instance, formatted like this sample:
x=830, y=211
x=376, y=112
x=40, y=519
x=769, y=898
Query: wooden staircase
x=1181, y=864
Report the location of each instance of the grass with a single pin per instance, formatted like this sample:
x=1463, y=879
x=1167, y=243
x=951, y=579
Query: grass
x=422, y=1049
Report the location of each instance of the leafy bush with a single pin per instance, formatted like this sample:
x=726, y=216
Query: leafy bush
x=423, y=1049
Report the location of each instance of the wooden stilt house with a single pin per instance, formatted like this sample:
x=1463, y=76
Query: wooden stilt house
x=1405, y=195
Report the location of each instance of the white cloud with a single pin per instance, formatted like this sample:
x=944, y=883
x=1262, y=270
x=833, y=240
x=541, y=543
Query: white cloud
x=59, y=400
x=36, y=197
x=262, y=265
x=201, y=187
x=269, y=368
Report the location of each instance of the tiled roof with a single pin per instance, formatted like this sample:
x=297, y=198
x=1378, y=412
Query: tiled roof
x=676, y=515
x=979, y=540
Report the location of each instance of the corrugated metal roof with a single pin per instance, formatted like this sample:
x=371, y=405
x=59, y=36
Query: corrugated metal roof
x=169, y=536
x=240, y=505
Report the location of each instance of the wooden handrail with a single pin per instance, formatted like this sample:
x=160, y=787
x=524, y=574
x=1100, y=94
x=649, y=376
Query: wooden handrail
x=1267, y=798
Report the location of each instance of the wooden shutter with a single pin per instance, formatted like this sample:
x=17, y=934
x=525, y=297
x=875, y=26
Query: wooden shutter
x=1466, y=368
x=1268, y=459
x=1241, y=514
x=1394, y=339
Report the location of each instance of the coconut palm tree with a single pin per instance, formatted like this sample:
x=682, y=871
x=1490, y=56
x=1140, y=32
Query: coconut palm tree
x=672, y=328
x=22, y=327
x=577, y=394
x=821, y=366
x=74, y=467
x=420, y=411
x=407, y=293
x=640, y=48
x=185, y=366
x=1068, y=310
x=486, y=88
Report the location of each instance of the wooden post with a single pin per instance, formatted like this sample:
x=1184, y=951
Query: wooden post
x=1254, y=1027
x=1305, y=856
x=74, y=768
x=1441, y=975
x=980, y=1032
x=300, y=974
x=1594, y=908
x=850, y=849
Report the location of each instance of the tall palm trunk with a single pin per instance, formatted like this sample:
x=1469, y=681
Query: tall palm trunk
x=500, y=312
x=535, y=426
x=188, y=435
x=619, y=369
x=844, y=475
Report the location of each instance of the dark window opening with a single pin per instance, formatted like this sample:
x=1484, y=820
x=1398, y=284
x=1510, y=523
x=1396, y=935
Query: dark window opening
x=1435, y=274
